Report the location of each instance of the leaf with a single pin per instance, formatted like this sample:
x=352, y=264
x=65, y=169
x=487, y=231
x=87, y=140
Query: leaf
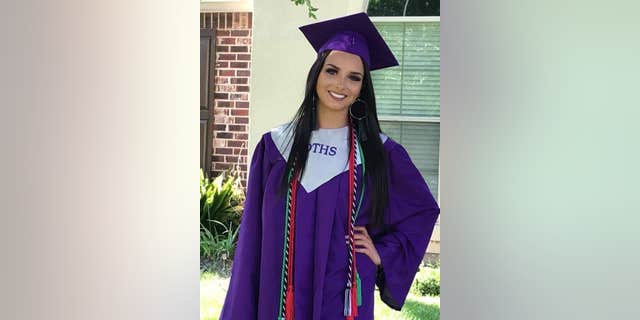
x=220, y=212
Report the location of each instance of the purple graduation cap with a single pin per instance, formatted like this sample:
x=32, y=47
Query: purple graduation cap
x=355, y=34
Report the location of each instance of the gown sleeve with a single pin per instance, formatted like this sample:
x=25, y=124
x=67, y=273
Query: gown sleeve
x=410, y=221
x=241, y=301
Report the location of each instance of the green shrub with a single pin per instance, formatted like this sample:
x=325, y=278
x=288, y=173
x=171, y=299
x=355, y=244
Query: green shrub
x=217, y=249
x=427, y=282
x=207, y=243
x=221, y=200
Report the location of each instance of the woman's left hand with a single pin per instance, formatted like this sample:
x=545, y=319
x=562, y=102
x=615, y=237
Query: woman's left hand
x=364, y=244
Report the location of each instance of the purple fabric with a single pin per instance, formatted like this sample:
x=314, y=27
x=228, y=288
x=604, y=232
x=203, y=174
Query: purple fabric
x=348, y=41
x=320, y=249
x=353, y=33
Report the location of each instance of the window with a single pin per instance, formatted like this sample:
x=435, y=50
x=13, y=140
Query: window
x=407, y=8
x=408, y=96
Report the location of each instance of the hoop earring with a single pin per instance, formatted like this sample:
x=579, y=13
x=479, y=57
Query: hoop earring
x=314, y=114
x=358, y=111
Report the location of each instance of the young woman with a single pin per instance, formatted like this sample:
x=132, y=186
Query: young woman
x=334, y=207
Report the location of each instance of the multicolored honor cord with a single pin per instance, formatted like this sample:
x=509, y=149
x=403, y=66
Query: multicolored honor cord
x=286, y=284
x=353, y=293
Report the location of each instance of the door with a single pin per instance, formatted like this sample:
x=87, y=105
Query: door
x=207, y=60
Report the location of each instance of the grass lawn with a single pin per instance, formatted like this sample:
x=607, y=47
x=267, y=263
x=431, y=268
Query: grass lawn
x=213, y=289
x=212, y=292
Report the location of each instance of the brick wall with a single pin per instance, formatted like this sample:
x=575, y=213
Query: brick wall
x=230, y=89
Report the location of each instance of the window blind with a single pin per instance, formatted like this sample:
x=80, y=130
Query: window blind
x=412, y=90
x=422, y=142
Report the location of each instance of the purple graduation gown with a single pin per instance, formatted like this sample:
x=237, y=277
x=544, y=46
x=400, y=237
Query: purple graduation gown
x=320, y=259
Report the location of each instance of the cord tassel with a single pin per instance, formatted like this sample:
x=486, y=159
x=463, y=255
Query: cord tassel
x=289, y=304
x=359, y=287
x=347, y=302
x=354, y=301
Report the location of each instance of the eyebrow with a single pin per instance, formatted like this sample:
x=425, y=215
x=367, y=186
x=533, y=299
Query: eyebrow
x=352, y=72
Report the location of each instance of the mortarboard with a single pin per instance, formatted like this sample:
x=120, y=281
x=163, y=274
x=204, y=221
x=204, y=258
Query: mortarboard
x=354, y=34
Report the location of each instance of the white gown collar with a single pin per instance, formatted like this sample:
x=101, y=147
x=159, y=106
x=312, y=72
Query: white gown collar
x=328, y=153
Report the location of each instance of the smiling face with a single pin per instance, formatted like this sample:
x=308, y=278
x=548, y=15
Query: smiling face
x=339, y=82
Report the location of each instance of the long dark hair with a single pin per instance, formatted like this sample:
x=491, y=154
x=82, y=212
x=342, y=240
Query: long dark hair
x=375, y=159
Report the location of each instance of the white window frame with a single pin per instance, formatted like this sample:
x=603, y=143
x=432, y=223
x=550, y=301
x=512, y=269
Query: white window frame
x=405, y=19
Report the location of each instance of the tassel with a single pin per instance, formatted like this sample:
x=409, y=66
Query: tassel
x=354, y=302
x=359, y=287
x=347, y=302
x=289, y=304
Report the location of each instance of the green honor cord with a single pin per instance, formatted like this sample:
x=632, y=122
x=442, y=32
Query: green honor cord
x=363, y=184
x=284, y=250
